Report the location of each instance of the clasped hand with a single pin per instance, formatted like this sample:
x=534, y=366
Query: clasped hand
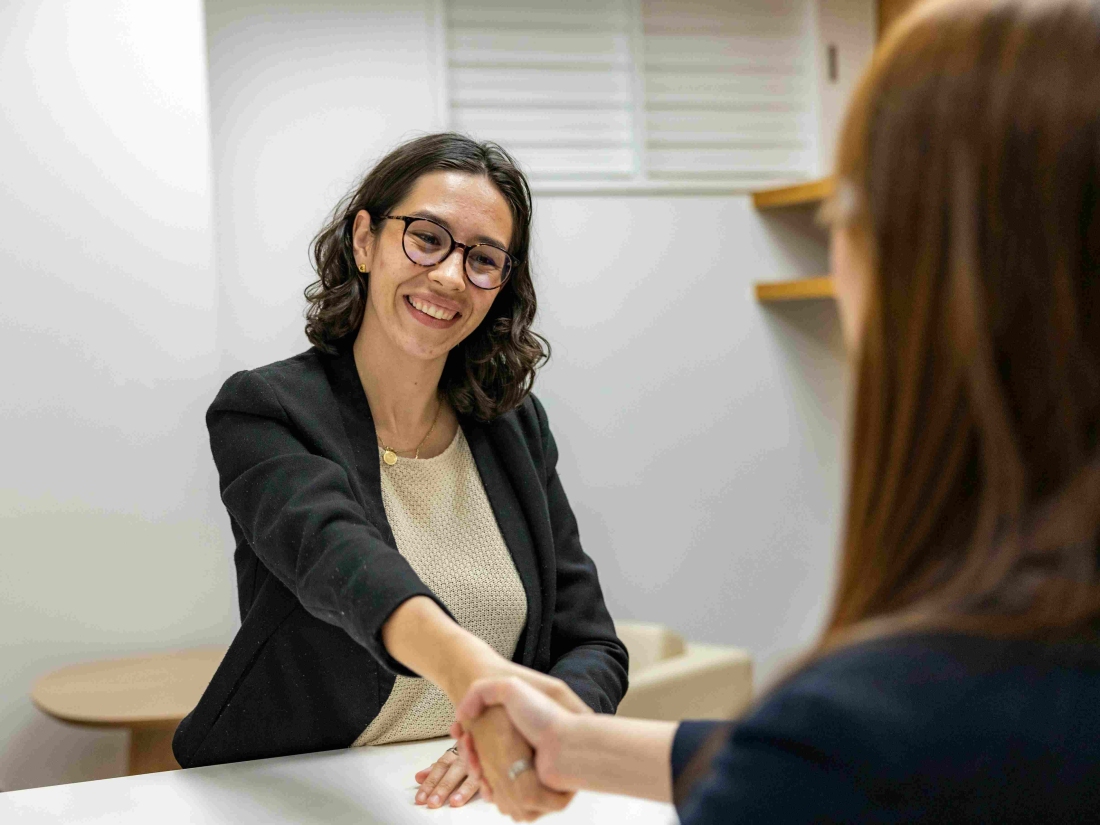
x=539, y=718
x=490, y=746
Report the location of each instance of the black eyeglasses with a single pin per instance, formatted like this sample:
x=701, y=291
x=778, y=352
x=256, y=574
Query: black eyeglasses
x=427, y=243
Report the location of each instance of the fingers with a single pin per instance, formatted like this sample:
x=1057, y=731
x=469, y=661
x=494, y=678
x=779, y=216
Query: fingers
x=465, y=791
x=528, y=800
x=556, y=689
x=538, y=798
x=448, y=784
x=448, y=781
x=486, y=693
x=531, y=713
x=432, y=777
x=482, y=694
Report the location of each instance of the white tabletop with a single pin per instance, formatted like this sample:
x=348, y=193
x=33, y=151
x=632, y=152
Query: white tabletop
x=362, y=786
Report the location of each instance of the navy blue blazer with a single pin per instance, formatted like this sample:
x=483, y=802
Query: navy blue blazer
x=937, y=728
x=318, y=572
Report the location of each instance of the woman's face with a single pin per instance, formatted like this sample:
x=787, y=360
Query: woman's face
x=427, y=311
x=849, y=269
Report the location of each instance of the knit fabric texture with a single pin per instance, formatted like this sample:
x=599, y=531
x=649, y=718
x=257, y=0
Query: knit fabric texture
x=445, y=528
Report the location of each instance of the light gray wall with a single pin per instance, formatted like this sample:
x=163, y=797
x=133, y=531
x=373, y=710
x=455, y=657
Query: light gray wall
x=700, y=433
x=303, y=96
x=109, y=529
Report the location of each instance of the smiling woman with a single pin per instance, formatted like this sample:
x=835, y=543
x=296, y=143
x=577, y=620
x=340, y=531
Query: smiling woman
x=452, y=180
x=401, y=528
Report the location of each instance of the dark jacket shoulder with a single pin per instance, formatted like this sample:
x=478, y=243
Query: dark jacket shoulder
x=298, y=381
x=918, y=728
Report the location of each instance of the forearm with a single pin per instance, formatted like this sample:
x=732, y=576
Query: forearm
x=428, y=642
x=617, y=755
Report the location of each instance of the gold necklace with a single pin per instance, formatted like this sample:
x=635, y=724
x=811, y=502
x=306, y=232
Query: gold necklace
x=390, y=456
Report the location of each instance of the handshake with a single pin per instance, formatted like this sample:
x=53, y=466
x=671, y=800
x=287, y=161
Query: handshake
x=525, y=739
x=511, y=730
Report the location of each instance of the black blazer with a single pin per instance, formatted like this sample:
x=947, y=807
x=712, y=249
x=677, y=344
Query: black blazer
x=318, y=572
x=930, y=728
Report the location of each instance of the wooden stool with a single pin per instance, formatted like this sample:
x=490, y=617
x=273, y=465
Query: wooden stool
x=148, y=695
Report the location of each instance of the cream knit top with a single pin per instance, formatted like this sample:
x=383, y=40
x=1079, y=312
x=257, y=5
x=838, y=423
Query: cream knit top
x=445, y=528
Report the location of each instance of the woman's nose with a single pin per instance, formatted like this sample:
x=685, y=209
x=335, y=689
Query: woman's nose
x=449, y=272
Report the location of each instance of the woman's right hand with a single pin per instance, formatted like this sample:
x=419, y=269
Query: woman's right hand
x=500, y=746
x=543, y=722
x=421, y=636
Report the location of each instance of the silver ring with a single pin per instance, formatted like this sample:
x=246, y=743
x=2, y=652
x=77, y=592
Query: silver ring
x=518, y=767
x=453, y=749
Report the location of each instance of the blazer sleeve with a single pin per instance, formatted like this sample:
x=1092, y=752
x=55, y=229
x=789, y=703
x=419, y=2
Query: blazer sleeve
x=584, y=650
x=298, y=512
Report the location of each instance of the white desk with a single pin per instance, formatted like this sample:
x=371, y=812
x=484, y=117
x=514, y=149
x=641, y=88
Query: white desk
x=365, y=786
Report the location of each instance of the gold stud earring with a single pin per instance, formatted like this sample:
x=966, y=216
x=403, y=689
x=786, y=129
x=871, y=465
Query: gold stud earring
x=362, y=267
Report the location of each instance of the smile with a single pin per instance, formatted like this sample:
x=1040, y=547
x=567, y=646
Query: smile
x=432, y=309
x=436, y=314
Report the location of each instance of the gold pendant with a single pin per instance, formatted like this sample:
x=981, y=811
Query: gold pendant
x=390, y=457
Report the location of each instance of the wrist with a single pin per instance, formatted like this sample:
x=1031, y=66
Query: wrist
x=422, y=637
x=468, y=659
x=568, y=736
x=616, y=755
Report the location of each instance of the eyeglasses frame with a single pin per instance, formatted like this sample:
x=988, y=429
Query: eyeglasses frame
x=409, y=219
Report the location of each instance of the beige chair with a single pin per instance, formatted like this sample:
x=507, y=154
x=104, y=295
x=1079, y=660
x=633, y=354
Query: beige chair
x=671, y=679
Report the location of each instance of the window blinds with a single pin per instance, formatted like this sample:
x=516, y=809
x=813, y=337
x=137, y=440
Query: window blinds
x=552, y=82
x=729, y=89
x=643, y=91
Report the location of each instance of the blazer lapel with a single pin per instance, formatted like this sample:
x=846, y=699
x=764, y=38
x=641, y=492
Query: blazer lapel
x=360, y=437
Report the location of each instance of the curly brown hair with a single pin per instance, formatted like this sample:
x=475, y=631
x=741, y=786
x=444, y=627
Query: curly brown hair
x=493, y=369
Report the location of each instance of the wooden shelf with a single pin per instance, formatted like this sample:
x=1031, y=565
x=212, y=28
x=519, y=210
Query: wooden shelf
x=800, y=289
x=801, y=194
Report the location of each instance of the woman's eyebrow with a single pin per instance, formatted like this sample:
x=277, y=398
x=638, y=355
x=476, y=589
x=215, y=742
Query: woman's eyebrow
x=432, y=216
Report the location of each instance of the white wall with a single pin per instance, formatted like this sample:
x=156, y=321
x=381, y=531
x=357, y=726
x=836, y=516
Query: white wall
x=107, y=500
x=303, y=97
x=700, y=432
